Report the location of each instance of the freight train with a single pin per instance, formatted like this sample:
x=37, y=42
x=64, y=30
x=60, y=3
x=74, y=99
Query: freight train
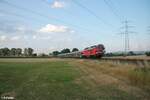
x=96, y=51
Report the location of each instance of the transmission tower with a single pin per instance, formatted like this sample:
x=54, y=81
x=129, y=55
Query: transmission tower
x=126, y=34
x=148, y=32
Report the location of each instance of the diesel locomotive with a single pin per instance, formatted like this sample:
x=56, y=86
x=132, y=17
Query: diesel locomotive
x=96, y=51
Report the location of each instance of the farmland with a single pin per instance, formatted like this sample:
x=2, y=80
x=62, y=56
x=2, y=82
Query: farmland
x=72, y=79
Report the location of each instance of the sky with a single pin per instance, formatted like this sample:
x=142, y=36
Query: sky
x=48, y=25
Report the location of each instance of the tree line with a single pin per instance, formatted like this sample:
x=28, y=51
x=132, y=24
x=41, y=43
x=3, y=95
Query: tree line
x=16, y=52
x=29, y=52
x=148, y=53
x=66, y=50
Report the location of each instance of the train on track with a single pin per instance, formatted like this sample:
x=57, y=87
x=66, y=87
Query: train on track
x=96, y=51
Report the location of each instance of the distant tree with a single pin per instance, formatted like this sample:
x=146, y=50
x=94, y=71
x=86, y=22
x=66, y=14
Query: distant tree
x=50, y=54
x=75, y=49
x=35, y=54
x=13, y=51
x=28, y=51
x=65, y=50
x=43, y=55
x=55, y=53
x=131, y=53
x=18, y=51
x=147, y=53
x=6, y=52
x=109, y=54
x=1, y=52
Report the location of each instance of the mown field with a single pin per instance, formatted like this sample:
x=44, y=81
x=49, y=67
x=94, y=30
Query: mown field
x=72, y=79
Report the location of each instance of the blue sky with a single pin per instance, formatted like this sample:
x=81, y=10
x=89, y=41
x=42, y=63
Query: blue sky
x=48, y=25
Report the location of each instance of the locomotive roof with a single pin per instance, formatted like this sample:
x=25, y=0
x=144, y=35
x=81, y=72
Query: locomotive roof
x=91, y=47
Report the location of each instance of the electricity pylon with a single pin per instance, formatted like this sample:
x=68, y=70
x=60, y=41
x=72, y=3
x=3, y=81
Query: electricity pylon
x=126, y=36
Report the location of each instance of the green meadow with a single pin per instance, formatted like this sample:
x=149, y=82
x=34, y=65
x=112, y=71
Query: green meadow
x=72, y=79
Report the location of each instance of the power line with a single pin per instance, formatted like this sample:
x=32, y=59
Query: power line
x=66, y=11
x=69, y=13
x=113, y=9
x=92, y=13
x=19, y=15
x=42, y=15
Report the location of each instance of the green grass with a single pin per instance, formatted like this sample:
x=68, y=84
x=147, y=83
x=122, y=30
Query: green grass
x=46, y=79
x=39, y=81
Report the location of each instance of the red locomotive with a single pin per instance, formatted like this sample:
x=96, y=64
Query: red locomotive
x=93, y=51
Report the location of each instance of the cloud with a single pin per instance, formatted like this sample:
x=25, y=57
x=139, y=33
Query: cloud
x=3, y=38
x=15, y=38
x=55, y=28
x=47, y=36
x=21, y=28
x=11, y=28
x=57, y=4
x=34, y=37
x=40, y=37
x=7, y=38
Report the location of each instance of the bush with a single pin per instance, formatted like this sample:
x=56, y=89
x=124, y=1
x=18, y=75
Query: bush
x=147, y=53
x=55, y=53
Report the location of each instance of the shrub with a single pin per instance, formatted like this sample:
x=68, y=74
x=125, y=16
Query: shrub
x=148, y=53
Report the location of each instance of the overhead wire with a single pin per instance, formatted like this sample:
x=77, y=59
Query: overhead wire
x=114, y=10
x=92, y=13
x=68, y=12
x=19, y=15
x=42, y=15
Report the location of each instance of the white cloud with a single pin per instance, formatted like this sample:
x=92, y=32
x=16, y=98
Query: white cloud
x=39, y=37
x=3, y=38
x=34, y=37
x=57, y=4
x=54, y=28
x=20, y=28
x=10, y=28
x=15, y=38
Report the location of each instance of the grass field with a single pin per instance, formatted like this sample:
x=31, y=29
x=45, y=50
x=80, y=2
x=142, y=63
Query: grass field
x=72, y=79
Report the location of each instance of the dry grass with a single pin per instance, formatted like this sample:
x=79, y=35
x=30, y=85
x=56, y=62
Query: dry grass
x=126, y=77
x=140, y=57
x=140, y=77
